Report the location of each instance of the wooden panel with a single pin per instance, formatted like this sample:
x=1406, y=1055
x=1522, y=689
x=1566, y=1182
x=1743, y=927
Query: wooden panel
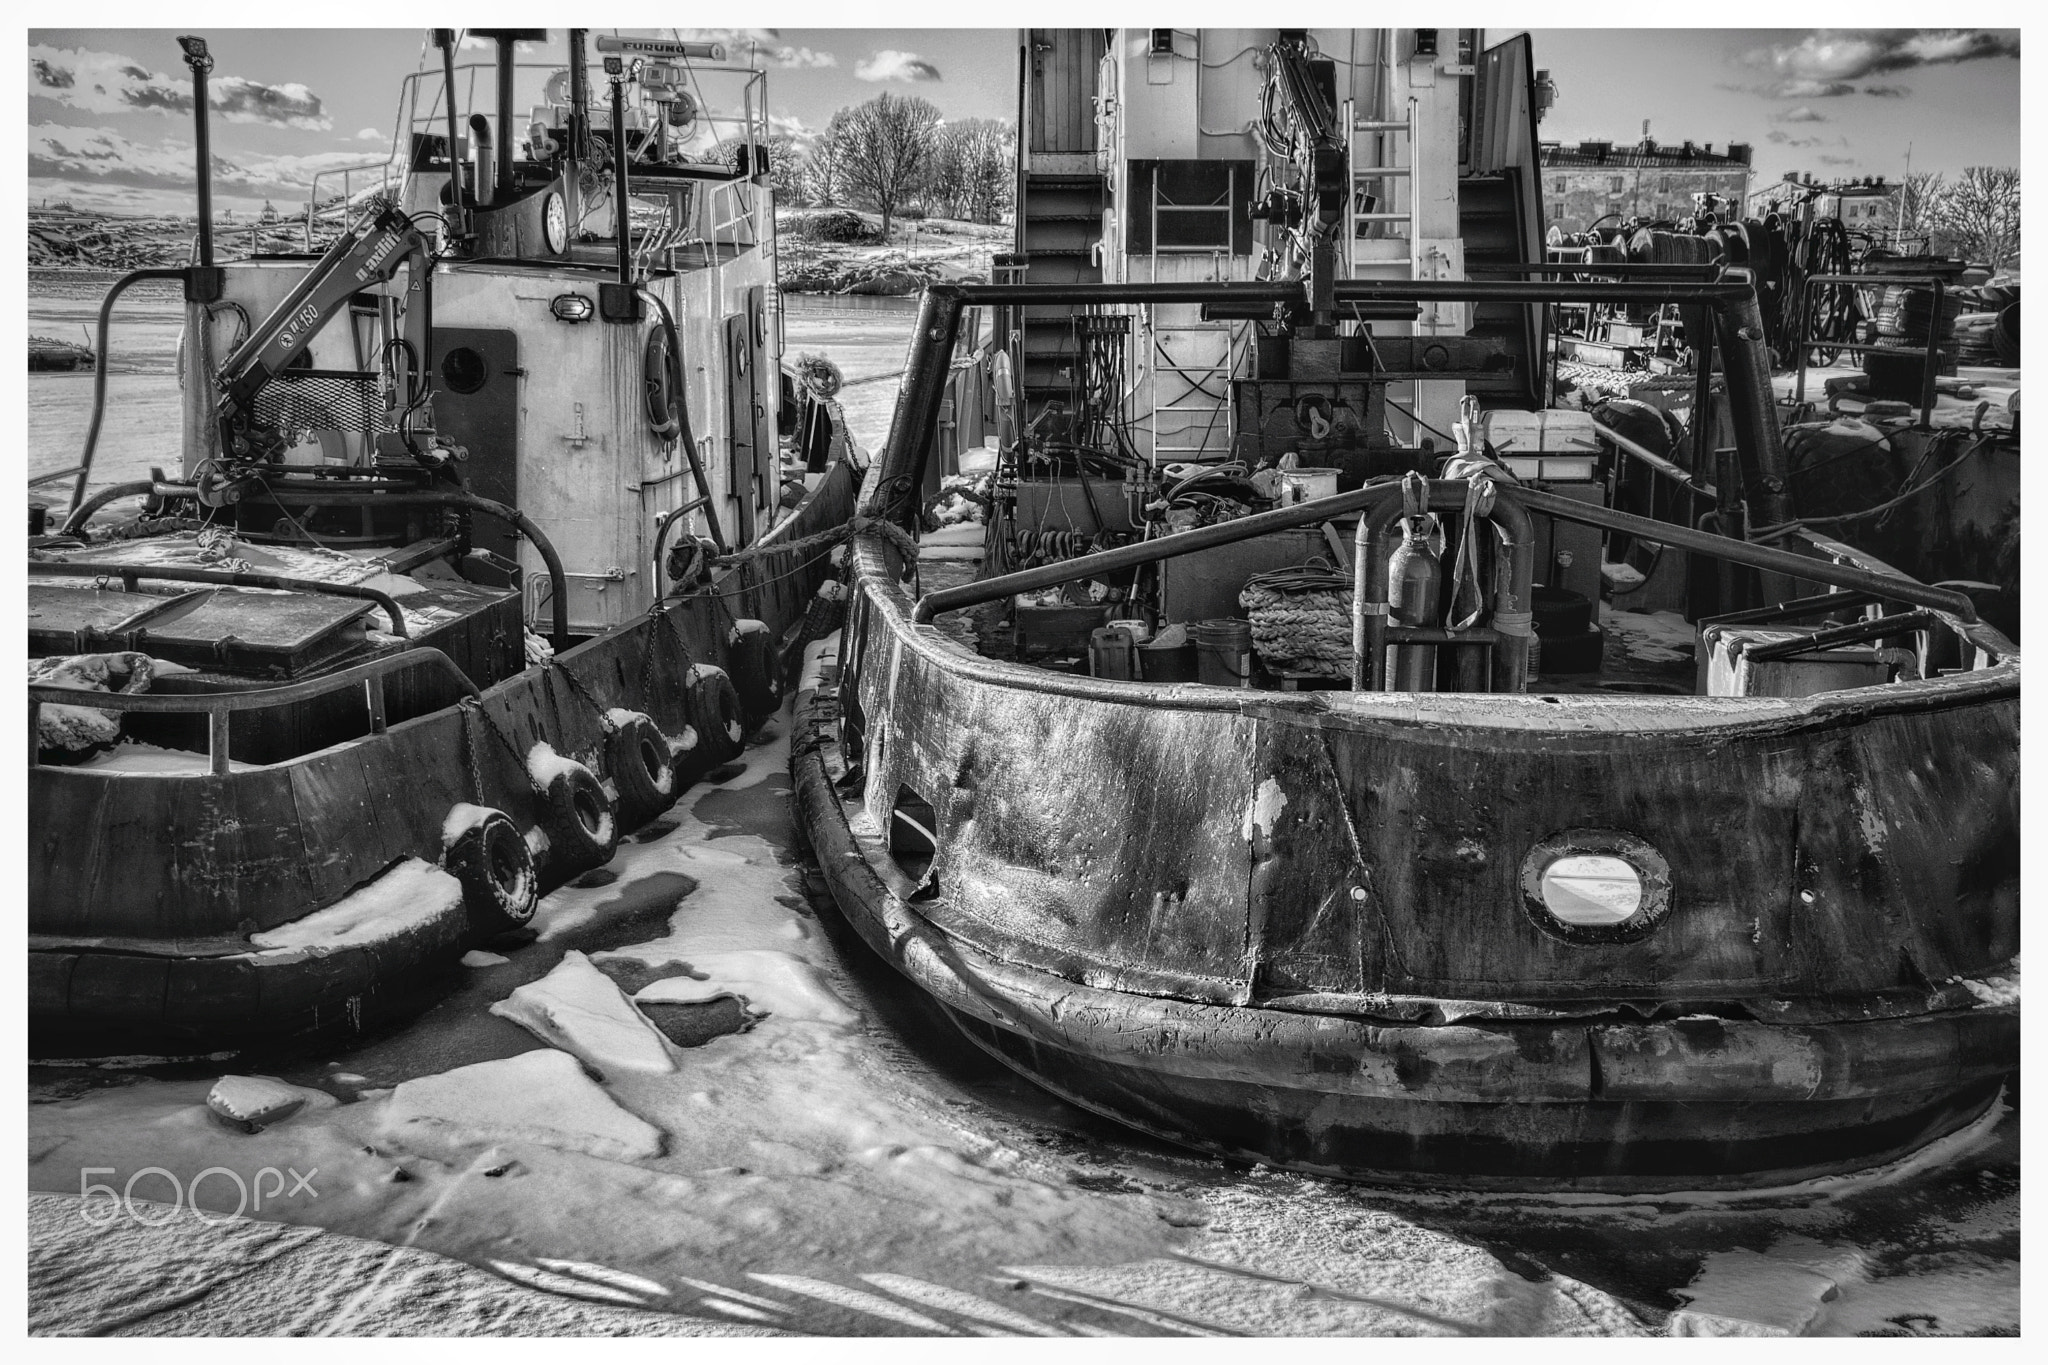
x=1061, y=76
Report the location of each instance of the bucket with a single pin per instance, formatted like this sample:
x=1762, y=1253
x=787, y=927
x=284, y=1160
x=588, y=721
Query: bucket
x=1223, y=652
x=1306, y=485
x=1169, y=663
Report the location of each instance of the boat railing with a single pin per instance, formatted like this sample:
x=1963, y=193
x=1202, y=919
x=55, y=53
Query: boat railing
x=132, y=574
x=1385, y=498
x=220, y=707
x=750, y=123
x=1929, y=353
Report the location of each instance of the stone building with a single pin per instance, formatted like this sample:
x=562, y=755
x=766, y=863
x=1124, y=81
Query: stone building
x=1868, y=205
x=1591, y=181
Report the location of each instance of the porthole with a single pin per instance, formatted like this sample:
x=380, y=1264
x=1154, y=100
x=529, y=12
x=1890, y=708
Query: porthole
x=1595, y=886
x=464, y=369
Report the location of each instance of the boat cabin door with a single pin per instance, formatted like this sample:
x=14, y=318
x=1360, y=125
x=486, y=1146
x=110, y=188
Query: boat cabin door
x=752, y=473
x=476, y=405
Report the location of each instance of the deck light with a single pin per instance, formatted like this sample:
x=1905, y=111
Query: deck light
x=572, y=307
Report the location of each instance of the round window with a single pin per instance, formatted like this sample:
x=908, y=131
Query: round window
x=1593, y=886
x=464, y=369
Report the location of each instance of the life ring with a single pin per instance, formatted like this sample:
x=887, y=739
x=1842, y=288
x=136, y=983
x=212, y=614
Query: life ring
x=641, y=763
x=579, y=820
x=756, y=671
x=662, y=383
x=491, y=861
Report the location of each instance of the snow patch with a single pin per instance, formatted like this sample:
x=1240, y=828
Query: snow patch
x=700, y=671
x=579, y=1009
x=133, y=756
x=544, y=765
x=818, y=655
x=542, y=1097
x=477, y=957
x=1994, y=990
x=620, y=717
x=412, y=894
x=775, y=983
x=463, y=817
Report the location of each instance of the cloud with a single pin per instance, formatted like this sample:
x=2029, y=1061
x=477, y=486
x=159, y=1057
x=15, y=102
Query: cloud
x=761, y=43
x=102, y=156
x=1852, y=54
x=369, y=135
x=1830, y=159
x=1888, y=92
x=891, y=65
x=109, y=83
x=1785, y=139
x=1801, y=114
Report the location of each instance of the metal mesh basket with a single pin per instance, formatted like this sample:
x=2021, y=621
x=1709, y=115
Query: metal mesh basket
x=324, y=400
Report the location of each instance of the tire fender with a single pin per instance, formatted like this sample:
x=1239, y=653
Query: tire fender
x=640, y=761
x=756, y=671
x=487, y=855
x=718, y=719
x=579, y=818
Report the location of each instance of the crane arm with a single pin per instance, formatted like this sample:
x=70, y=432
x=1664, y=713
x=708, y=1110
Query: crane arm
x=369, y=255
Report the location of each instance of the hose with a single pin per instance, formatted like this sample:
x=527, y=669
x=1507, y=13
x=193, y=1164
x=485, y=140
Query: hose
x=99, y=373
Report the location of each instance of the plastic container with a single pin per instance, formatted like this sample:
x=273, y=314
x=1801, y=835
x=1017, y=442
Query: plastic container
x=1223, y=652
x=1140, y=631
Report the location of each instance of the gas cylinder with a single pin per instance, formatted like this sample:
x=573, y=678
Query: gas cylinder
x=1414, y=583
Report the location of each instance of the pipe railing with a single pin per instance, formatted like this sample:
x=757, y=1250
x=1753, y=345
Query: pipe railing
x=132, y=574
x=219, y=707
x=1930, y=353
x=1731, y=297
x=305, y=494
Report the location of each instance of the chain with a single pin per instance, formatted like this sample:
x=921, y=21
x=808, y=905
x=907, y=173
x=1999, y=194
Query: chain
x=504, y=739
x=476, y=773
x=661, y=617
x=582, y=689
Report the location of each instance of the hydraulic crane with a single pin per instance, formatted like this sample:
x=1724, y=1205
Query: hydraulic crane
x=367, y=256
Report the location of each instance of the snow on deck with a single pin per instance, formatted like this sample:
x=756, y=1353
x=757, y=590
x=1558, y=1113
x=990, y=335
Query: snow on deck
x=411, y=894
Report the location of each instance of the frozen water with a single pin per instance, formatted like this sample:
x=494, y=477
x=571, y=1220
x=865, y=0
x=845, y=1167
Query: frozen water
x=849, y=1166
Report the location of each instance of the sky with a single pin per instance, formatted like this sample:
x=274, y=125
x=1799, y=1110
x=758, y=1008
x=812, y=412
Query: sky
x=110, y=127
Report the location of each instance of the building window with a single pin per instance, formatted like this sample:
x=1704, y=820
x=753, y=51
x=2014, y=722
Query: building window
x=1614, y=184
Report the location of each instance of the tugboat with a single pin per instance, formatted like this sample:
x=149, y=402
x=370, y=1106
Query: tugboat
x=480, y=552
x=1301, y=810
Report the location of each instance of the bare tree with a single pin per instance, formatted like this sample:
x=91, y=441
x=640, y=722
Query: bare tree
x=1981, y=213
x=1920, y=196
x=785, y=162
x=824, y=172
x=882, y=149
x=973, y=168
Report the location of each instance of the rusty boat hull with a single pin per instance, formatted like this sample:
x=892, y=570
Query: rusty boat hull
x=145, y=888
x=1298, y=928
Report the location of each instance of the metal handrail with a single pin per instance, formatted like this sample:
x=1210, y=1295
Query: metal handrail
x=1930, y=354
x=131, y=574
x=219, y=706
